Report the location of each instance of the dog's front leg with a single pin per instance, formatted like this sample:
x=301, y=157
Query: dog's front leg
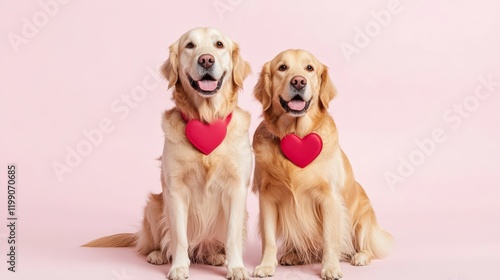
x=268, y=219
x=177, y=208
x=235, y=212
x=331, y=210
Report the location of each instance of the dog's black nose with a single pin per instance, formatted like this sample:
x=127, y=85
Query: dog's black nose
x=298, y=82
x=206, y=60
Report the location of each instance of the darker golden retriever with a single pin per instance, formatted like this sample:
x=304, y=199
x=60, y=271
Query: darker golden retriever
x=309, y=200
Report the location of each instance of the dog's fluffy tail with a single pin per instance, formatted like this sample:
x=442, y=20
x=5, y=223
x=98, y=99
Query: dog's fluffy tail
x=116, y=240
x=380, y=242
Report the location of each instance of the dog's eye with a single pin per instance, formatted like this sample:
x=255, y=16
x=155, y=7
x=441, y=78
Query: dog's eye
x=283, y=67
x=219, y=44
x=190, y=45
x=309, y=68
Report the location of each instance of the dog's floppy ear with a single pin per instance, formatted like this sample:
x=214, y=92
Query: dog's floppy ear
x=326, y=91
x=169, y=68
x=262, y=89
x=241, y=68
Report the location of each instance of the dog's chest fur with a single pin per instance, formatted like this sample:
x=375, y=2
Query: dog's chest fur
x=299, y=192
x=225, y=166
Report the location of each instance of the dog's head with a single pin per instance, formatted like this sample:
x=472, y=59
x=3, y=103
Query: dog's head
x=294, y=83
x=203, y=62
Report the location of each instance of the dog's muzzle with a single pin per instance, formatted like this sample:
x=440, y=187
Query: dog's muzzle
x=207, y=85
x=296, y=106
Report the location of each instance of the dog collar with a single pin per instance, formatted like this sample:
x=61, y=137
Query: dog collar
x=206, y=136
x=301, y=151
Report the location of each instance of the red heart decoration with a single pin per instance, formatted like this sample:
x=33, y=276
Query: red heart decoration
x=206, y=137
x=303, y=151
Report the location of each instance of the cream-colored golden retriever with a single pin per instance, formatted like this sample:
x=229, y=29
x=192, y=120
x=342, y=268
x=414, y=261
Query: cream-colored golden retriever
x=309, y=200
x=206, y=164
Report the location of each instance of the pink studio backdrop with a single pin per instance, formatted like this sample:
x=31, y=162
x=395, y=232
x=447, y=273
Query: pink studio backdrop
x=418, y=103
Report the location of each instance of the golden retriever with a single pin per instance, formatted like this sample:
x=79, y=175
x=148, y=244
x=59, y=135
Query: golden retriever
x=200, y=216
x=308, y=198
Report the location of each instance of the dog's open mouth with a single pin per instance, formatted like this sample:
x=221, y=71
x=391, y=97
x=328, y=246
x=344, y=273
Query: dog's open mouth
x=296, y=106
x=207, y=85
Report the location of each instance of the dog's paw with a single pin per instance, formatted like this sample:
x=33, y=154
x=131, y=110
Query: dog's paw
x=178, y=273
x=264, y=271
x=360, y=259
x=216, y=259
x=331, y=272
x=291, y=259
x=157, y=257
x=238, y=273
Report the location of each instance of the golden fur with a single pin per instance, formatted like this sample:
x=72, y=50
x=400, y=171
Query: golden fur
x=318, y=213
x=201, y=214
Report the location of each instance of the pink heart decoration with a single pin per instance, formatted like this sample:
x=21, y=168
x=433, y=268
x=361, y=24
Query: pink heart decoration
x=206, y=137
x=301, y=152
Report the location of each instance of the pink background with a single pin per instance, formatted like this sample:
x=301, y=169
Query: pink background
x=398, y=88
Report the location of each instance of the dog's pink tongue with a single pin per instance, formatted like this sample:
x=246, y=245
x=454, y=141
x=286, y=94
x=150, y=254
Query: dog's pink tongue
x=297, y=105
x=207, y=85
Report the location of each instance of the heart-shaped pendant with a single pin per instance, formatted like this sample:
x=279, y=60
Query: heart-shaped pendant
x=207, y=136
x=301, y=151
